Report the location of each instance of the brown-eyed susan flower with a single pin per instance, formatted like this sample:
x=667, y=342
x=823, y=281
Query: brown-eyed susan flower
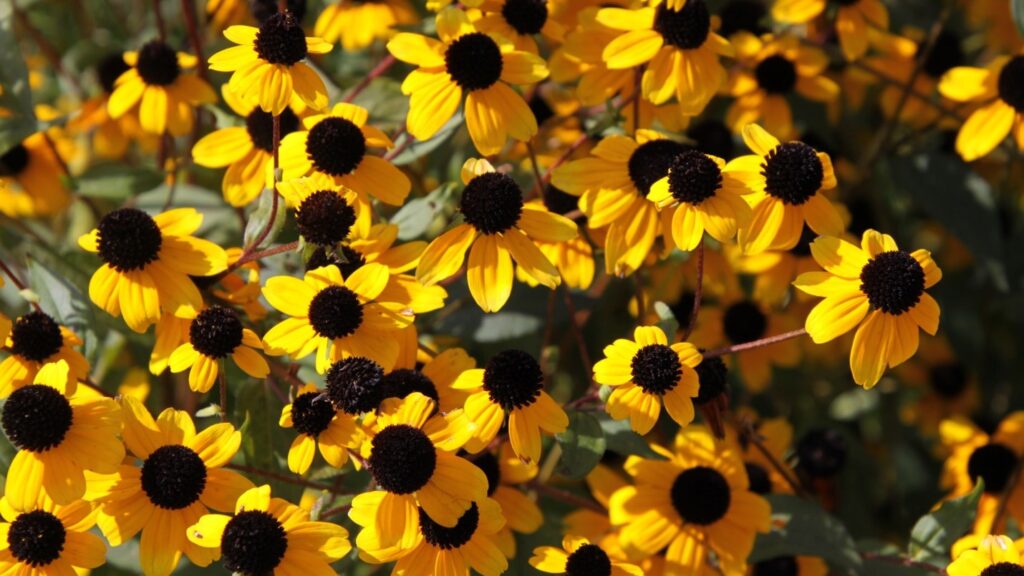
x=695, y=502
x=59, y=435
x=511, y=383
x=579, y=557
x=158, y=89
x=170, y=332
x=267, y=64
x=776, y=437
x=857, y=21
x=325, y=217
x=498, y=228
x=433, y=379
x=573, y=258
x=213, y=335
x=999, y=90
x=47, y=538
x=647, y=372
x=34, y=341
x=110, y=137
x=181, y=475
x=359, y=24
x=674, y=39
x=147, y=261
x=880, y=282
x=994, y=556
x=320, y=426
x=333, y=149
x=703, y=196
x=269, y=536
x=247, y=151
x=519, y=21
x=30, y=180
x=410, y=454
x=774, y=270
x=505, y=472
x=466, y=60
x=335, y=316
x=787, y=180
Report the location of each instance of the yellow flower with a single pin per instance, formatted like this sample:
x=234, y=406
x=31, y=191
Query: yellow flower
x=579, y=556
x=995, y=555
x=110, y=137
x=881, y=282
x=267, y=64
x=34, y=342
x=466, y=59
x=574, y=258
x=46, y=538
x=434, y=378
x=505, y=471
x=30, y=180
x=358, y=24
x=215, y=334
x=998, y=90
x=857, y=21
x=326, y=216
x=319, y=425
x=518, y=21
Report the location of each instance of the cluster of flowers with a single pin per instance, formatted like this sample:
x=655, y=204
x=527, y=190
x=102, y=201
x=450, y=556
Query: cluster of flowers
x=455, y=450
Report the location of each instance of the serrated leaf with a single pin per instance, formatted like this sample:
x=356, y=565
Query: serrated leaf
x=117, y=181
x=622, y=440
x=934, y=533
x=261, y=218
x=802, y=528
x=19, y=119
x=583, y=445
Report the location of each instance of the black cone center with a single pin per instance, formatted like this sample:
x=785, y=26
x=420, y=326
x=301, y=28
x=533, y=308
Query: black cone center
x=129, y=239
x=281, y=40
x=336, y=146
x=1011, y=83
x=325, y=218
x=588, y=560
x=36, y=418
x=513, y=379
x=335, y=312
x=793, y=173
x=685, y=29
x=402, y=459
x=821, y=452
x=701, y=495
x=404, y=381
x=778, y=566
x=656, y=368
x=474, y=61
x=109, y=70
x=744, y=322
x=216, y=332
x=693, y=177
x=36, y=538
x=492, y=202
x=651, y=161
x=36, y=336
x=173, y=477
x=760, y=481
x=713, y=376
x=253, y=544
x=893, y=282
x=260, y=126
x=993, y=463
x=450, y=538
x=525, y=16
x=14, y=161
x=948, y=379
x=776, y=74
x=311, y=413
x=157, y=64
x=354, y=385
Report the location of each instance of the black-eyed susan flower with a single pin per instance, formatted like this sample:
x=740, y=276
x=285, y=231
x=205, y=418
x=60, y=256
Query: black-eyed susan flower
x=159, y=90
x=999, y=90
x=505, y=471
x=881, y=282
x=772, y=68
x=147, y=261
x=110, y=137
x=776, y=437
x=695, y=502
x=336, y=317
x=947, y=386
x=994, y=556
x=703, y=197
x=511, y=384
x=674, y=39
x=46, y=538
x=30, y=180
x=34, y=341
x=267, y=64
x=181, y=475
x=579, y=557
x=325, y=217
x=320, y=426
x=574, y=258
x=646, y=373
x=519, y=21
x=787, y=182
x=269, y=536
x=170, y=332
x=213, y=335
x=433, y=379
x=499, y=228
x=58, y=435
x=774, y=270
x=359, y=24
x=410, y=453
x=469, y=61
x=857, y=21
x=247, y=152
x=333, y=149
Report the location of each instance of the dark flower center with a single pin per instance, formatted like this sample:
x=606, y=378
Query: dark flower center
x=539, y=106
x=682, y=309
x=513, y=379
x=488, y=462
x=492, y=202
x=994, y=463
x=36, y=418
x=946, y=53
x=793, y=173
x=216, y=332
x=685, y=29
x=253, y=544
x=760, y=482
x=651, y=161
x=36, y=538
x=402, y=459
x=346, y=259
x=656, y=368
x=325, y=218
x=173, y=477
x=713, y=377
x=157, y=64
x=744, y=322
x=35, y=337
x=450, y=538
x=1003, y=569
x=693, y=177
x=264, y=9
x=713, y=137
x=803, y=245
x=778, y=566
x=260, y=126
x=129, y=239
x=893, y=282
x=525, y=16
x=742, y=15
x=701, y=495
x=281, y=40
x=1011, y=83
x=352, y=260
x=14, y=161
x=474, y=61
x=354, y=385
x=559, y=201
x=821, y=452
x=109, y=70
x=335, y=312
x=588, y=560
x=336, y=146
x=311, y=413
x=776, y=74
x=948, y=379
x=404, y=381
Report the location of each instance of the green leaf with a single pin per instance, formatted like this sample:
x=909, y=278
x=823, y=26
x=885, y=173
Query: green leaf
x=417, y=149
x=62, y=300
x=414, y=218
x=1017, y=10
x=934, y=533
x=260, y=219
x=19, y=120
x=807, y=530
x=582, y=445
x=116, y=181
x=622, y=440
x=666, y=319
